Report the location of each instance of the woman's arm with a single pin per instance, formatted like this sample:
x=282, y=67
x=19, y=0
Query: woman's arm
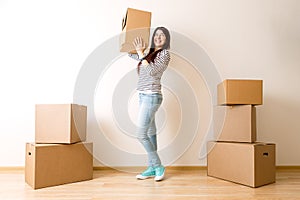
x=140, y=47
x=159, y=64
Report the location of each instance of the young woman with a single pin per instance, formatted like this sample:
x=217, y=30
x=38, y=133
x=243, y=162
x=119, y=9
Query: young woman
x=150, y=70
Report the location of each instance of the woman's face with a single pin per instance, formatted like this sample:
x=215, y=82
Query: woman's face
x=159, y=39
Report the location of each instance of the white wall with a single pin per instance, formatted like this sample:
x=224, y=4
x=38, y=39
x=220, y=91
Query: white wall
x=43, y=45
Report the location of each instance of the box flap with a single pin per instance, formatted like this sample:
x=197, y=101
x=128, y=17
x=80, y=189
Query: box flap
x=263, y=144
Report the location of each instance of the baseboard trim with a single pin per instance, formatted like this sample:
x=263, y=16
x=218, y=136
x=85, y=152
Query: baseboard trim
x=123, y=168
x=288, y=167
x=182, y=167
x=11, y=169
x=130, y=168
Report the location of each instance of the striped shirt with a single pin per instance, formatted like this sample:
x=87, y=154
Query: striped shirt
x=150, y=75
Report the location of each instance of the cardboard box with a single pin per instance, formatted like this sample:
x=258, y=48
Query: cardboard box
x=248, y=164
x=60, y=123
x=235, y=123
x=136, y=23
x=234, y=91
x=55, y=164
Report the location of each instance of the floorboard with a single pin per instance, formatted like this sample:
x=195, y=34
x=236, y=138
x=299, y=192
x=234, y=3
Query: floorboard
x=179, y=184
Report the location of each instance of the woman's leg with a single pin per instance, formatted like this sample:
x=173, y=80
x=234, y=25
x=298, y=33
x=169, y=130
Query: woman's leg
x=152, y=134
x=149, y=104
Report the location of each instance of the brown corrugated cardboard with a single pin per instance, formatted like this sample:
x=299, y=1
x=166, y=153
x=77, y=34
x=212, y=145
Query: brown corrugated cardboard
x=251, y=164
x=55, y=164
x=60, y=123
x=235, y=123
x=136, y=23
x=235, y=91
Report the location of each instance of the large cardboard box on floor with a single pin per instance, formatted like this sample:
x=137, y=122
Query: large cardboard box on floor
x=235, y=123
x=251, y=164
x=239, y=91
x=136, y=23
x=55, y=164
x=60, y=123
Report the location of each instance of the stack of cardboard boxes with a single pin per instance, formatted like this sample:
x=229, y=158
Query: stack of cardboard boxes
x=60, y=153
x=235, y=155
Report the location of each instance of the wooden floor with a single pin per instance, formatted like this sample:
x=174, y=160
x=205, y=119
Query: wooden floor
x=179, y=184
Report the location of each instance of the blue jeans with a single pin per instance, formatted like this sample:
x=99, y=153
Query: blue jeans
x=146, y=130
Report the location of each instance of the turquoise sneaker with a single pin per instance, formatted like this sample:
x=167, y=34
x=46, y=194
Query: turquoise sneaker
x=159, y=173
x=149, y=172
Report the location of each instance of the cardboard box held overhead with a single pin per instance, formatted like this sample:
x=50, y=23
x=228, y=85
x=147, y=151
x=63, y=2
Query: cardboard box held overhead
x=235, y=123
x=55, y=164
x=239, y=91
x=60, y=123
x=251, y=164
x=136, y=23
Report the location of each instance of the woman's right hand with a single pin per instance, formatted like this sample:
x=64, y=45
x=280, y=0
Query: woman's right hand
x=139, y=45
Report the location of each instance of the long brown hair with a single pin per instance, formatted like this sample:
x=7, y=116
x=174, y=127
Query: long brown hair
x=152, y=53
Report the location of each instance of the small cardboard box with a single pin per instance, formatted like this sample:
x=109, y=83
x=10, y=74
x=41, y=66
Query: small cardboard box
x=235, y=91
x=60, y=123
x=55, y=164
x=136, y=23
x=235, y=123
x=244, y=163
